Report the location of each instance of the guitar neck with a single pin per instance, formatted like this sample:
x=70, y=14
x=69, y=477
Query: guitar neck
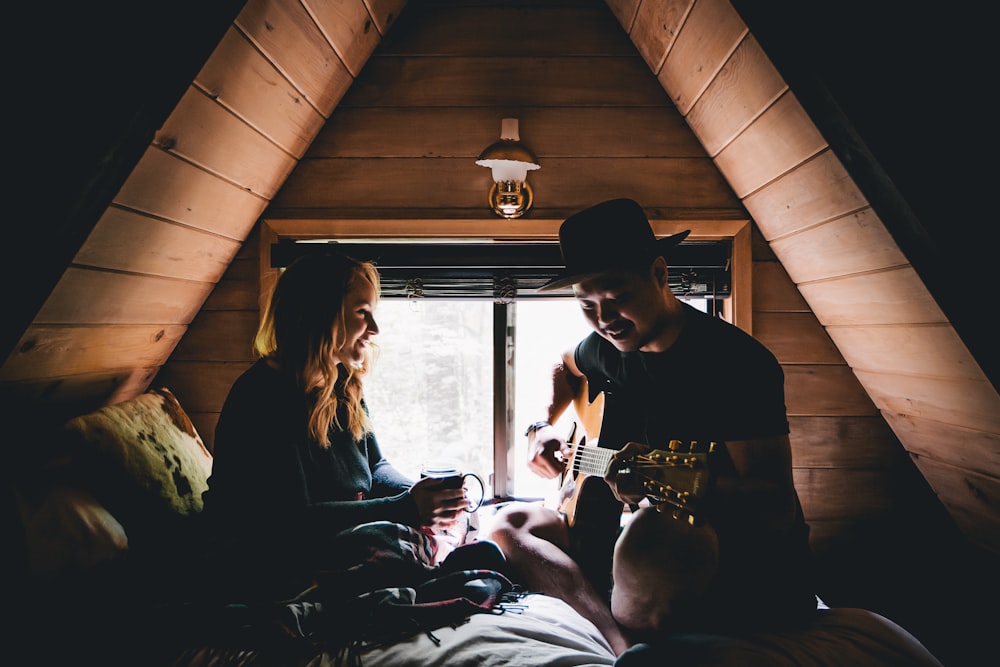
x=592, y=460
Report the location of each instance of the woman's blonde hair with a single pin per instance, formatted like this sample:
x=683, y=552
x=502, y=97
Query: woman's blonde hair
x=302, y=330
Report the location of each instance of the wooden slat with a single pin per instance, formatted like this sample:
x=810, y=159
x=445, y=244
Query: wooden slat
x=288, y=37
x=709, y=34
x=816, y=191
x=56, y=351
x=168, y=187
x=203, y=341
x=655, y=26
x=460, y=184
x=203, y=385
x=934, y=350
x=203, y=132
x=549, y=132
x=85, y=296
x=823, y=390
x=128, y=241
x=385, y=13
x=845, y=442
x=837, y=493
x=539, y=30
x=972, y=499
x=348, y=27
x=774, y=291
x=795, y=338
x=68, y=396
x=895, y=296
x=239, y=78
x=976, y=451
x=968, y=403
x=486, y=82
x=855, y=243
x=755, y=158
x=746, y=85
x=237, y=290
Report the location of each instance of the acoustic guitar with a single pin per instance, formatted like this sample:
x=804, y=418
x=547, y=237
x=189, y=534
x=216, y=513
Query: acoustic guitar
x=675, y=478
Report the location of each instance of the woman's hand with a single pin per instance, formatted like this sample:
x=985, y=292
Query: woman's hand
x=547, y=452
x=438, y=501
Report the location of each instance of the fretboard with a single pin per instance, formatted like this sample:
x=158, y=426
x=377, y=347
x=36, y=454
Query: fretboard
x=592, y=460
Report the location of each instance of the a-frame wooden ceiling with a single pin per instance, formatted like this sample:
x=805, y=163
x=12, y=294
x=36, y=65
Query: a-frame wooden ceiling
x=177, y=132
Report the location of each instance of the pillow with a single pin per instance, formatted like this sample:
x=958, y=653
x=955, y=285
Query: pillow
x=142, y=458
x=68, y=531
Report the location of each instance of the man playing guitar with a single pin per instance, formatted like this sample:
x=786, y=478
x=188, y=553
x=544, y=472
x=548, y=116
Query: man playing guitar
x=667, y=372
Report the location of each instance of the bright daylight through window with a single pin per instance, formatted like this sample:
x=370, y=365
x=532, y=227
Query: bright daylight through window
x=431, y=392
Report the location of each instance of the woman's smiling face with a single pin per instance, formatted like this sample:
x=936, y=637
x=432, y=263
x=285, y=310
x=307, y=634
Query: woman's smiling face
x=359, y=322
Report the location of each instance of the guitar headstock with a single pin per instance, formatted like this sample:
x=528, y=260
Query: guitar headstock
x=675, y=478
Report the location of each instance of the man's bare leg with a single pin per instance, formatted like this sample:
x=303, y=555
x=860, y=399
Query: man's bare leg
x=533, y=539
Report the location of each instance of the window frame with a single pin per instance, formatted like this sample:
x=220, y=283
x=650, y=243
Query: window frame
x=736, y=308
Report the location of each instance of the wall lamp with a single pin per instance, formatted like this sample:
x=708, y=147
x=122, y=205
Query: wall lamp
x=510, y=196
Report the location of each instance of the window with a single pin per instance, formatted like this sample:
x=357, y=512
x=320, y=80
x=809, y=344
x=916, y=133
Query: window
x=432, y=391
x=467, y=345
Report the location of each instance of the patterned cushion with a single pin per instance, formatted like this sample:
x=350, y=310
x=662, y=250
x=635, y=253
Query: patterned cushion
x=68, y=531
x=141, y=458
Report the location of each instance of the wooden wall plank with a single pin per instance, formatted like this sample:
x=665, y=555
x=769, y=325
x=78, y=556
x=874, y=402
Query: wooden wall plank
x=385, y=13
x=972, y=498
x=774, y=291
x=854, y=243
x=463, y=132
x=237, y=289
x=485, y=82
x=85, y=296
x=845, y=442
x=204, y=133
x=453, y=183
x=838, y=493
x=654, y=27
x=288, y=37
x=125, y=240
x=968, y=403
x=824, y=390
x=709, y=34
x=933, y=349
x=818, y=190
x=47, y=351
x=239, y=78
x=538, y=30
x=894, y=296
x=201, y=386
x=348, y=27
x=67, y=396
x=795, y=338
x=168, y=187
x=756, y=156
x=745, y=86
x=976, y=451
x=203, y=342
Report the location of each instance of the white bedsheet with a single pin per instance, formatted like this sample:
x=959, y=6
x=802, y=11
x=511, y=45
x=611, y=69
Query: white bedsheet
x=546, y=633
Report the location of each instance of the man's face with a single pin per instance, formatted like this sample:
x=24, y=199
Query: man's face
x=623, y=307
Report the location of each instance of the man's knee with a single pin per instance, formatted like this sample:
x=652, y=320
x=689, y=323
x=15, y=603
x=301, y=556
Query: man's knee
x=517, y=521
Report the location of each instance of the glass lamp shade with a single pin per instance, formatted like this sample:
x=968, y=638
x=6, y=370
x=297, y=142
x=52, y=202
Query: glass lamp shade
x=510, y=160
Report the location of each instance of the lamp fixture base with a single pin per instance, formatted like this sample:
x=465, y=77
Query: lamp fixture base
x=510, y=199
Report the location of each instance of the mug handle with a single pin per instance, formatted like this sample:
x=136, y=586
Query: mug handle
x=482, y=488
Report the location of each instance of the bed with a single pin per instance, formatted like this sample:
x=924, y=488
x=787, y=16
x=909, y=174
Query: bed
x=136, y=470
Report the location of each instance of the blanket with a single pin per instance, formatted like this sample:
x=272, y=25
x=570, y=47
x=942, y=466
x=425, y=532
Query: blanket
x=381, y=587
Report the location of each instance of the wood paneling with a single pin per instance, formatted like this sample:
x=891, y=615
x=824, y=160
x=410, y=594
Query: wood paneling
x=893, y=296
x=778, y=141
x=745, y=86
x=958, y=446
x=712, y=31
x=653, y=26
x=242, y=80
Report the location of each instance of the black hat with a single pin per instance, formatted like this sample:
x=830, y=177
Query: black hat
x=611, y=235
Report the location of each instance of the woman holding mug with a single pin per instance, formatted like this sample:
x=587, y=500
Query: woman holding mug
x=295, y=458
